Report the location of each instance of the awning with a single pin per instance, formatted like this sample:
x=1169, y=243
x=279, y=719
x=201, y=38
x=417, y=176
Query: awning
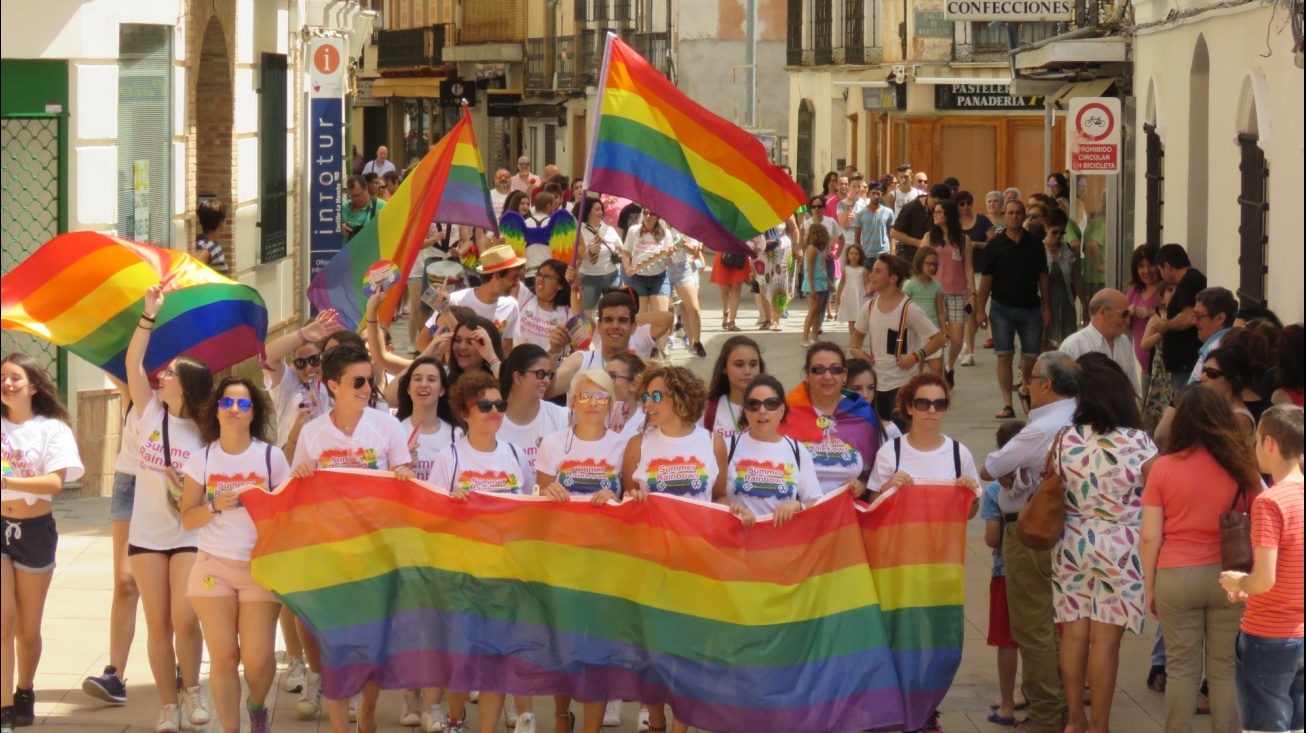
x=929, y=74
x=541, y=108
x=1074, y=52
x=869, y=79
x=1094, y=88
x=414, y=86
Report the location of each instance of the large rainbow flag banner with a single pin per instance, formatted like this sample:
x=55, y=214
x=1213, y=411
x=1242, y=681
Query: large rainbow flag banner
x=707, y=177
x=85, y=291
x=448, y=186
x=671, y=601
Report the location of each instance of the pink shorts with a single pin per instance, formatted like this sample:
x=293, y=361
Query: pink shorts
x=216, y=577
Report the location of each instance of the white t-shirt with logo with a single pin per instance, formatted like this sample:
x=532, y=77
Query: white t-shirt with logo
x=583, y=467
x=725, y=423
x=231, y=534
x=504, y=313
x=683, y=467
x=501, y=471
x=762, y=476
x=536, y=323
x=428, y=446
x=378, y=443
x=156, y=523
x=36, y=447
x=289, y=394
x=550, y=419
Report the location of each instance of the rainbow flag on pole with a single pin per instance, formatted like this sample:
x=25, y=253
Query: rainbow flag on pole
x=740, y=630
x=448, y=186
x=707, y=177
x=85, y=291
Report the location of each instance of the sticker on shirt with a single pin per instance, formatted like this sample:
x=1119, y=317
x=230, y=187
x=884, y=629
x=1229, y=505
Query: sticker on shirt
x=589, y=476
x=679, y=476
x=832, y=451
x=764, y=479
x=347, y=458
x=488, y=482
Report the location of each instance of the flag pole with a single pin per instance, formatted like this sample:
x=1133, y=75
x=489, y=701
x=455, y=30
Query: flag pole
x=593, y=142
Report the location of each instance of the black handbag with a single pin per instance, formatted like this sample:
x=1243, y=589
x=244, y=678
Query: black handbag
x=734, y=260
x=1236, y=535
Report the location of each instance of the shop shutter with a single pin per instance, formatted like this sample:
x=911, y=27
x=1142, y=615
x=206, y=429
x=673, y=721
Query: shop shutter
x=144, y=131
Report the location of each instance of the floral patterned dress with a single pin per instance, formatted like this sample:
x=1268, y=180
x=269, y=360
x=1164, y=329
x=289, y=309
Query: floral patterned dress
x=1096, y=571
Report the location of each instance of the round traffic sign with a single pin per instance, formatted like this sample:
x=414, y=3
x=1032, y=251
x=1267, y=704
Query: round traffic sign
x=1095, y=122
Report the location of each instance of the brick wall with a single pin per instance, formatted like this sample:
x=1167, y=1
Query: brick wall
x=212, y=117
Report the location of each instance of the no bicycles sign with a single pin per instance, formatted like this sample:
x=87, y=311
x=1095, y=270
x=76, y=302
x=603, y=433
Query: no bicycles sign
x=1094, y=140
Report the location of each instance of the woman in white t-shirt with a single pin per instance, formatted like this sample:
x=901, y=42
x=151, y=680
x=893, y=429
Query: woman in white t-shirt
x=524, y=379
x=40, y=455
x=737, y=364
x=767, y=473
x=545, y=312
x=351, y=435
x=924, y=453
x=674, y=456
x=627, y=415
x=239, y=616
x=644, y=241
x=583, y=461
x=480, y=461
x=601, y=253
x=159, y=547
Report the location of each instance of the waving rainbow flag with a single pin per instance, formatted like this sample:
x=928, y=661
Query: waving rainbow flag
x=740, y=630
x=85, y=291
x=707, y=177
x=448, y=186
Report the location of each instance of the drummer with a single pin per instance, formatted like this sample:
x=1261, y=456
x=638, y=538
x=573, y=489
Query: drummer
x=494, y=299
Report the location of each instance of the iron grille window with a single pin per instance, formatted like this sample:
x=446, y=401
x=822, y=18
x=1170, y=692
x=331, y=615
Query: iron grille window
x=550, y=144
x=978, y=42
x=581, y=11
x=621, y=11
x=854, y=31
x=402, y=48
x=1154, y=172
x=272, y=157
x=794, y=34
x=535, y=63
x=601, y=9
x=587, y=67
x=806, y=123
x=823, y=31
x=438, y=34
x=1252, y=238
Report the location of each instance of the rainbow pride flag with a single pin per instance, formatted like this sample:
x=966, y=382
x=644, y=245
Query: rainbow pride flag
x=663, y=601
x=705, y=176
x=448, y=186
x=85, y=291
x=558, y=232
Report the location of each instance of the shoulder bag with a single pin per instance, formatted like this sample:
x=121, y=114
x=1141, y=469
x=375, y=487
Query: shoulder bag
x=1236, y=535
x=1042, y=520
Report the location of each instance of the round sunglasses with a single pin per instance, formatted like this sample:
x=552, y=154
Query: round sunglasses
x=654, y=397
x=226, y=403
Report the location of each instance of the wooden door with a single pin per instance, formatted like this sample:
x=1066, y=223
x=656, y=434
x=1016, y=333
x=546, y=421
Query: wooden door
x=969, y=152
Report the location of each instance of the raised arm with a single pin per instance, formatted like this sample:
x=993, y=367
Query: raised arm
x=391, y=363
x=138, y=380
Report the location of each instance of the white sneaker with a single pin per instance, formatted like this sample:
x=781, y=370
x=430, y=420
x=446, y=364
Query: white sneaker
x=294, y=679
x=643, y=726
x=169, y=720
x=526, y=723
x=966, y=360
x=510, y=710
x=433, y=719
x=612, y=714
x=310, y=698
x=192, y=706
x=353, y=708
x=474, y=697
x=411, y=715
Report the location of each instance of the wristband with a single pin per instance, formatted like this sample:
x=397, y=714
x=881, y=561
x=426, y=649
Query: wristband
x=150, y=318
x=495, y=362
x=302, y=341
x=213, y=509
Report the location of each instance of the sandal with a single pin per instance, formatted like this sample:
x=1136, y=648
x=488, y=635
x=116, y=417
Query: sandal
x=1006, y=414
x=733, y=328
x=999, y=720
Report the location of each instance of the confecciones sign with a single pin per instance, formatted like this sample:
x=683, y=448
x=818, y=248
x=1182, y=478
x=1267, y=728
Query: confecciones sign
x=1008, y=10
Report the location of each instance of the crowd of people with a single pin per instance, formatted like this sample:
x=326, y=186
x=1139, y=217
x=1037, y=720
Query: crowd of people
x=1161, y=412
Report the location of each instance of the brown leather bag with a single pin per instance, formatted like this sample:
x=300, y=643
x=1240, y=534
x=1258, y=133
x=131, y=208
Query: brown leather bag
x=1043, y=519
x=1236, y=535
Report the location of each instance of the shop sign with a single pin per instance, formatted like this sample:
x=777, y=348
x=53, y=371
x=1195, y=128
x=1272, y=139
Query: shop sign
x=363, y=94
x=1016, y=11
x=983, y=97
x=501, y=103
x=453, y=92
x=1093, y=144
x=885, y=99
x=932, y=24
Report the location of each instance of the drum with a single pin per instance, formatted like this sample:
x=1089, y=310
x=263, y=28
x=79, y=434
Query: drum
x=442, y=277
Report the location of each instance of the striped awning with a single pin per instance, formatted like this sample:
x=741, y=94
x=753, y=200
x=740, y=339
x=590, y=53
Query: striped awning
x=931, y=74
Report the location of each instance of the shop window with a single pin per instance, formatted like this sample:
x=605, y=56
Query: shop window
x=1154, y=173
x=550, y=144
x=272, y=157
x=144, y=129
x=1255, y=206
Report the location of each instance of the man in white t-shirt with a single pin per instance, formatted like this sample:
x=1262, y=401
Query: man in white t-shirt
x=494, y=299
x=901, y=334
x=614, y=331
x=502, y=189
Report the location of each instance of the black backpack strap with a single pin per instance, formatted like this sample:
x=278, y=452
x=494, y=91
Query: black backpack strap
x=454, y=476
x=956, y=458
x=798, y=456
x=267, y=459
x=897, y=453
x=734, y=443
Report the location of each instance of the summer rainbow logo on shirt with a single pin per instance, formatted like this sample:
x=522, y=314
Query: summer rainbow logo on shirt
x=831, y=451
x=218, y=482
x=680, y=476
x=345, y=458
x=6, y=469
x=764, y=479
x=490, y=482
x=588, y=476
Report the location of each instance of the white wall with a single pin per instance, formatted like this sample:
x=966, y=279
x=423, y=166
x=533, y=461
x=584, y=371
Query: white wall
x=1241, y=77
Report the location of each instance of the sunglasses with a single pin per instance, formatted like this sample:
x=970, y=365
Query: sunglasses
x=1212, y=372
x=770, y=403
x=226, y=402
x=502, y=177
x=521, y=164
x=654, y=397
x=820, y=371
x=485, y=406
x=921, y=404
x=540, y=374
x=585, y=397
x=360, y=381
x=307, y=361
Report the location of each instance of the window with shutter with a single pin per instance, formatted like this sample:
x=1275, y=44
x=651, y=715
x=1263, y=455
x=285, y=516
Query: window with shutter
x=272, y=157
x=1254, y=205
x=144, y=129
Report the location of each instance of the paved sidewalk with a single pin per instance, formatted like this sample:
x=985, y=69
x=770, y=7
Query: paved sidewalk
x=77, y=612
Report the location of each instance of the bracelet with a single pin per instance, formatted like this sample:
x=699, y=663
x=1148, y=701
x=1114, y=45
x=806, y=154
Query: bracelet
x=302, y=341
x=495, y=362
x=146, y=328
x=372, y=320
x=149, y=317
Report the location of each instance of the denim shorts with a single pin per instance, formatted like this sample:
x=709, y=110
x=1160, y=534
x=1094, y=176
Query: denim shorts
x=1008, y=321
x=1269, y=679
x=682, y=273
x=124, y=497
x=592, y=287
x=646, y=285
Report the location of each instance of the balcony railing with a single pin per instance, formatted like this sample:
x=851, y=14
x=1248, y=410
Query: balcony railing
x=409, y=48
x=825, y=32
x=987, y=42
x=535, y=72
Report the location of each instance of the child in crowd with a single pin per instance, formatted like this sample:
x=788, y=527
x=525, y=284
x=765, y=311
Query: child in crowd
x=1004, y=711
x=927, y=292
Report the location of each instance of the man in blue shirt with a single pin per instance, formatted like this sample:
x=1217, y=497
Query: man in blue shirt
x=1213, y=315
x=871, y=226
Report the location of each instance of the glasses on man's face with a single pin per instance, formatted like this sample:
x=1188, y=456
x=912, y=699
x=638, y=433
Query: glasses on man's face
x=920, y=404
x=486, y=406
x=1200, y=316
x=586, y=396
x=540, y=374
x=770, y=403
x=523, y=163
x=654, y=397
x=360, y=381
x=226, y=403
x=308, y=361
x=502, y=177
x=820, y=370
x=618, y=377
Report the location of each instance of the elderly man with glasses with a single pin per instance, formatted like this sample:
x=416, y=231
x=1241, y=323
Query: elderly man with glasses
x=1107, y=333
x=524, y=181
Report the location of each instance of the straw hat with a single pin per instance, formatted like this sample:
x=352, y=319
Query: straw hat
x=499, y=258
